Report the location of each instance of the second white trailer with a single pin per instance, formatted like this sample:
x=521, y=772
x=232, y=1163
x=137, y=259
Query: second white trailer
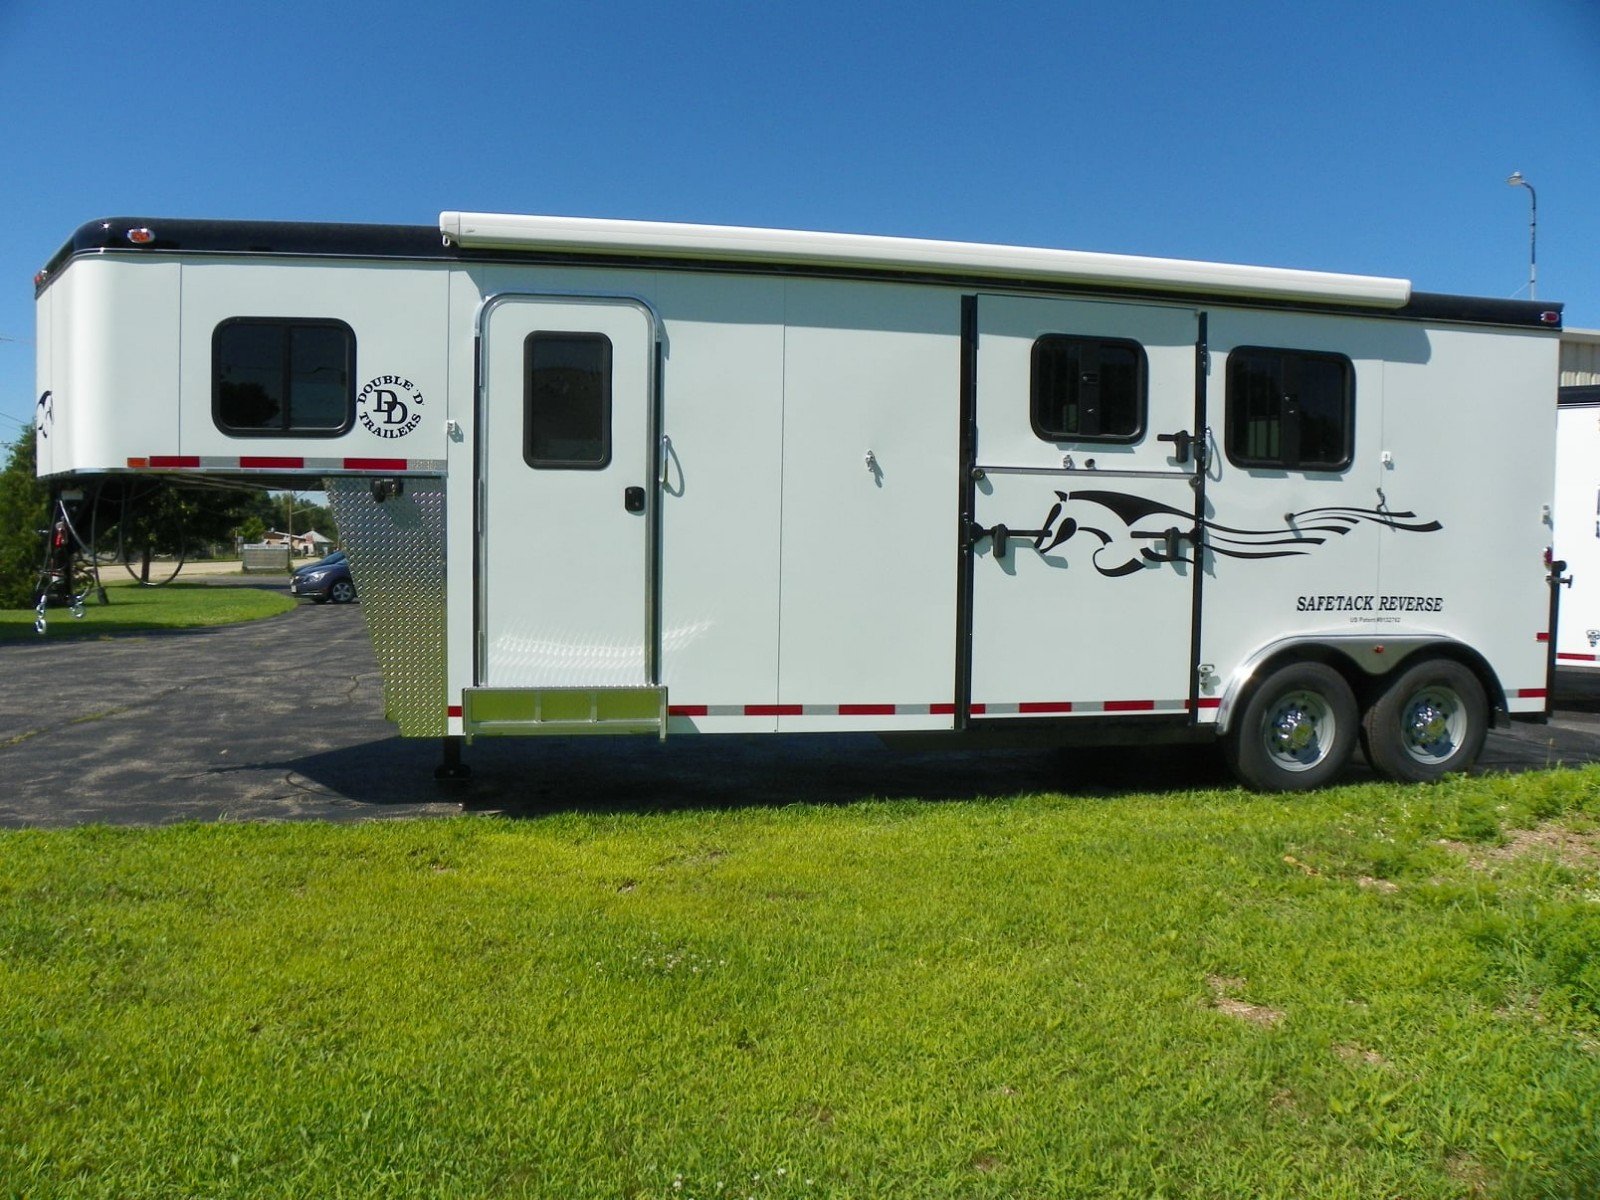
x=1577, y=499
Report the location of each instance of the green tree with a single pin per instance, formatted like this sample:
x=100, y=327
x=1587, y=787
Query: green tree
x=267, y=506
x=165, y=517
x=251, y=530
x=24, y=511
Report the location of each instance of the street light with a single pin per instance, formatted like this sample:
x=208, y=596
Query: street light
x=1516, y=180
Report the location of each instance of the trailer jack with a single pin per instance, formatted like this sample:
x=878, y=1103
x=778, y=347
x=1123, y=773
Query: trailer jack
x=452, y=769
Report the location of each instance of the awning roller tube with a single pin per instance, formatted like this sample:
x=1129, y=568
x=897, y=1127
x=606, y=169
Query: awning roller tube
x=733, y=243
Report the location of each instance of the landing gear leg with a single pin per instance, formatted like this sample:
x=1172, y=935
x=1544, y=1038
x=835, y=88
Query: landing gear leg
x=452, y=769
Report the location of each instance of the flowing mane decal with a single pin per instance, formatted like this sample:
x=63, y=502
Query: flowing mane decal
x=1121, y=523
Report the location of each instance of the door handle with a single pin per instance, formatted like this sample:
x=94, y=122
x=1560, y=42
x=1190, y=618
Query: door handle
x=633, y=499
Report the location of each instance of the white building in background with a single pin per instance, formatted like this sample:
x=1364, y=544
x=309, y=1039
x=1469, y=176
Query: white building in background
x=300, y=544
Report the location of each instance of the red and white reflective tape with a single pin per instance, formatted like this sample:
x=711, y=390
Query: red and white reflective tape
x=286, y=462
x=1024, y=708
x=808, y=710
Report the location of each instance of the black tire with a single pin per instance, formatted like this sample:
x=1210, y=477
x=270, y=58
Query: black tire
x=1429, y=722
x=342, y=591
x=1296, y=730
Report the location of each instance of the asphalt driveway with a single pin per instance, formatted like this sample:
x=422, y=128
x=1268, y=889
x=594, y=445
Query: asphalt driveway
x=282, y=719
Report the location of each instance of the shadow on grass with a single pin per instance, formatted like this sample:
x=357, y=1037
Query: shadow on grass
x=520, y=778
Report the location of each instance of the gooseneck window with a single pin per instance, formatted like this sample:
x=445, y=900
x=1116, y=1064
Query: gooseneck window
x=271, y=377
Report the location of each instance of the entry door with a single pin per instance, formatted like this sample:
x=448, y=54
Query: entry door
x=566, y=493
x=1083, y=577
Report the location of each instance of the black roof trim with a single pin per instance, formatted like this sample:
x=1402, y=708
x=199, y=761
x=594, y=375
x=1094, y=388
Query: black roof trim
x=1478, y=310
x=313, y=238
x=340, y=240
x=1584, y=395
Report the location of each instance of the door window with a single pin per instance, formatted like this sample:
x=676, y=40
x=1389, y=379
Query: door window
x=1087, y=389
x=567, y=401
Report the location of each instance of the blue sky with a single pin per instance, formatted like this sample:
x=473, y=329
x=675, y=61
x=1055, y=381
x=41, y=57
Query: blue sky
x=1364, y=137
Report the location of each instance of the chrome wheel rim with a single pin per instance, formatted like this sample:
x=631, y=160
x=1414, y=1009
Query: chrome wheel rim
x=1432, y=725
x=1298, y=730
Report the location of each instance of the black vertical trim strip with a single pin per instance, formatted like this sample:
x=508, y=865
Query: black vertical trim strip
x=1202, y=467
x=477, y=506
x=968, y=464
x=657, y=424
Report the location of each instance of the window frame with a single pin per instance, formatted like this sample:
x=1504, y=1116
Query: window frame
x=1284, y=355
x=286, y=430
x=1141, y=389
x=606, y=424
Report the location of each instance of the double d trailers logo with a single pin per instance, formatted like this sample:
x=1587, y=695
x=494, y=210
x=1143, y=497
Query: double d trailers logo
x=389, y=406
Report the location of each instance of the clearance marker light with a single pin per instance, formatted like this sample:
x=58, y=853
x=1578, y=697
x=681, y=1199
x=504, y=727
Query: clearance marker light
x=141, y=236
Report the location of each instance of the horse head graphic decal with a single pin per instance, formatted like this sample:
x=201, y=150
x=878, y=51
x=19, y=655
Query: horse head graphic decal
x=1132, y=532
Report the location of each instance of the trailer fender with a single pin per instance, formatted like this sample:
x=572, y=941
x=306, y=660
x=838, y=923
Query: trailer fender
x=1363, y=660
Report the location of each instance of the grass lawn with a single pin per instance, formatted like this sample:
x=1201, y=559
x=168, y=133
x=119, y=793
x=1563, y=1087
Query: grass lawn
x=1373, y=991
x=134, y=609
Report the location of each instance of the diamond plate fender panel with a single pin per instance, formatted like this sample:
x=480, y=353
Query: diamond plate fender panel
x=396, y=551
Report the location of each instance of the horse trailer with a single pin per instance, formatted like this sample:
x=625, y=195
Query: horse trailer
x=623, y=477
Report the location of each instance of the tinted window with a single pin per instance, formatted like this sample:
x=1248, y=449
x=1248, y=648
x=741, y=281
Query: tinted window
x=1088, y=389
x=274, y=377
x=1290, y=408
x=567, y=404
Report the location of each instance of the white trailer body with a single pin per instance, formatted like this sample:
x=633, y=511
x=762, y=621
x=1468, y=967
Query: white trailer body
x=607, y=476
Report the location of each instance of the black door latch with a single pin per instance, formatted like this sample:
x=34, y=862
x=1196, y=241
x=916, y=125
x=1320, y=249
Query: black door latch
x=1002, y=536
x=1182, y=443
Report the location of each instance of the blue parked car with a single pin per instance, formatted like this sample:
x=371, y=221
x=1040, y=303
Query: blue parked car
x=324, y=580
